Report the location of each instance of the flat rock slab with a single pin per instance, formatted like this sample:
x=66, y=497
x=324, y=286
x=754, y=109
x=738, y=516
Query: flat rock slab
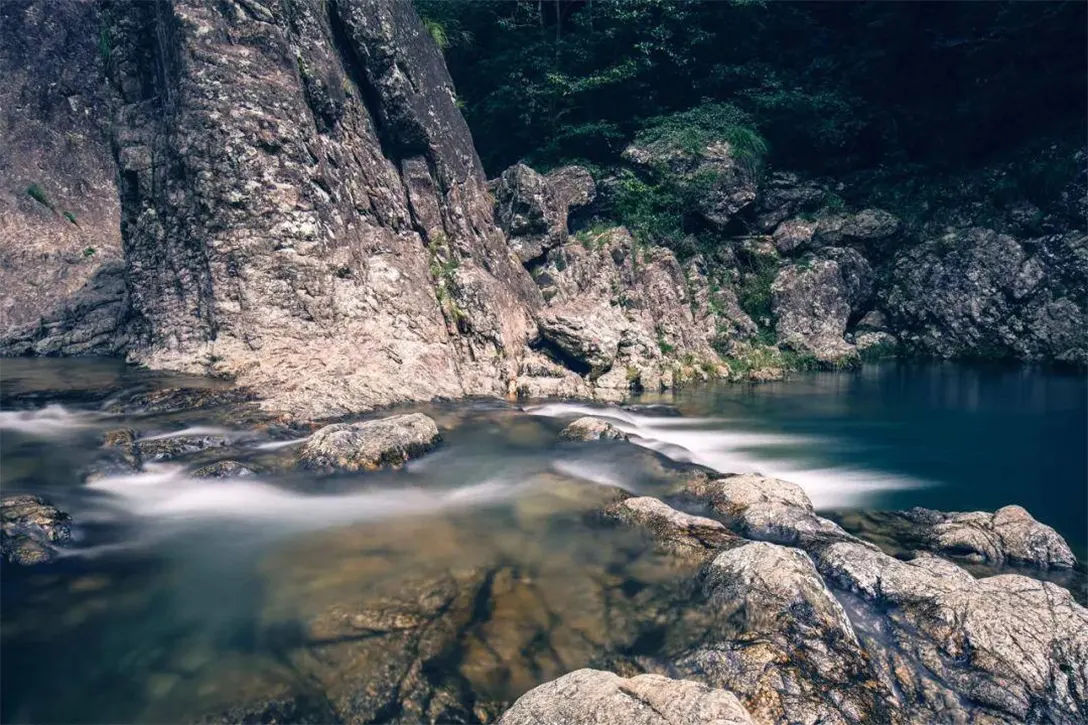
x=370, y=445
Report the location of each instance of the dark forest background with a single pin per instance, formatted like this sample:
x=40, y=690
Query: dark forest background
x=822, y=87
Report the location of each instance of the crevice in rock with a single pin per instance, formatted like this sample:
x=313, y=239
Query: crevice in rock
x=558, y=355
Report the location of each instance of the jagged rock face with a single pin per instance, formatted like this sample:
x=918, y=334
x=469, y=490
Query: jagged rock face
x=1005, y=649
x=812, y=306
x=611, y=306
x=794, y=656
x=978, y=293
x=533, y=209
x=59, y=207
x=297, y=186
x=594, y=697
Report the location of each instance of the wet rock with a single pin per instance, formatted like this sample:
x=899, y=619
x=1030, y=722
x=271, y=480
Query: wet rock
x=1009, y=535
x=673, y=530
x=765, y=509
x=1004, y=649
x=121, y=455
x=30, y=529
x=302, y=710
x=785, y=645
x=177, y=446
x=979, y=293
x=370, y=445
x=812, y=304
x=588, y=428
x=593, y=697
x=173, y=400
x=224, y=469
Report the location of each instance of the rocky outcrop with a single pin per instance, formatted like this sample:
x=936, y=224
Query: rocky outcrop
x=1008, y=536
x=60, y=234
x=533, y=209
x=812, y=306
x=593, y=697
x=370, y=445
x=1005, y=649
x=627, y=317
x=30, y=529
x=979, y=293
x=296, y=184
x=588, y=428
x=785, y=645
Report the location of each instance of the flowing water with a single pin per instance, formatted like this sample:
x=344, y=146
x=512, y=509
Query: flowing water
x=481, y=563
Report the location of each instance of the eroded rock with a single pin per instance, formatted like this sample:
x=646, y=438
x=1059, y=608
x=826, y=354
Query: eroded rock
x=674, y=530
x=594, y=697
x=588, y=428
x=371, y=444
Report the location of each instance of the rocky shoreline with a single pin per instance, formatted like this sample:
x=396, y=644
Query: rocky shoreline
x=806, y=621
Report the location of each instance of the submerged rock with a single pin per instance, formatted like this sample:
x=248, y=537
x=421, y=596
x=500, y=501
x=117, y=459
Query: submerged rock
x=588, y=428
x=30, y=527
x=370, y=445
x=594, y=697
x=170, y=447
x=224, y=469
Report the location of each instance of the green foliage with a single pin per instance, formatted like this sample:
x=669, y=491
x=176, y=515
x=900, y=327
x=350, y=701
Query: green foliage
x=754, y=291
x=693, y=130
x=70, y=217
x=437, y=32
x=37, y=193
x=442, y=267
x=89, y=252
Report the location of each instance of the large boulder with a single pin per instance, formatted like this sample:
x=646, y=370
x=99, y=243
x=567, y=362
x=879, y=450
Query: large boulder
x=783, y=195
x=370, y=445
x=1008, y=536
x=979, y=293
x=30, y=529
x=594, y=697
x=785, y=645
x=812, y=305
x=1004, y=649
x=533, y=209
x=866, y=226
x=588, y=428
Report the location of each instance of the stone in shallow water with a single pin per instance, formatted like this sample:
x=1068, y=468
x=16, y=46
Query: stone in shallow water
x=674, y=530
x=29, y=528
x=589, y=428
x=594, y=697
x=165, y=449
x=370, y=445
x=224, y=469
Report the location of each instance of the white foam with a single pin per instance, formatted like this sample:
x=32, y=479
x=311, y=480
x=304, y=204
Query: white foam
x=276, y=445
x=196, y=430
x=710, y=442
x=164, y=491
x=51, y=421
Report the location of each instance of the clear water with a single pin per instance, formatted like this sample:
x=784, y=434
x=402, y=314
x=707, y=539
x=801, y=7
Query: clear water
x=183, y=597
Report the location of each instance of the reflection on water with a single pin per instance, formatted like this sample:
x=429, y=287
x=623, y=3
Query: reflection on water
x=446, y=589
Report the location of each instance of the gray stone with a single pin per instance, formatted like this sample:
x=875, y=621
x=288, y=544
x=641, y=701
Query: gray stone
x=594, y=697
x=588, y=428
x=793, y=234
x=370, y=445
x=30, y=529
x=812, y=305
x=529, y=210
x=673, y=530
x=224, y=469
